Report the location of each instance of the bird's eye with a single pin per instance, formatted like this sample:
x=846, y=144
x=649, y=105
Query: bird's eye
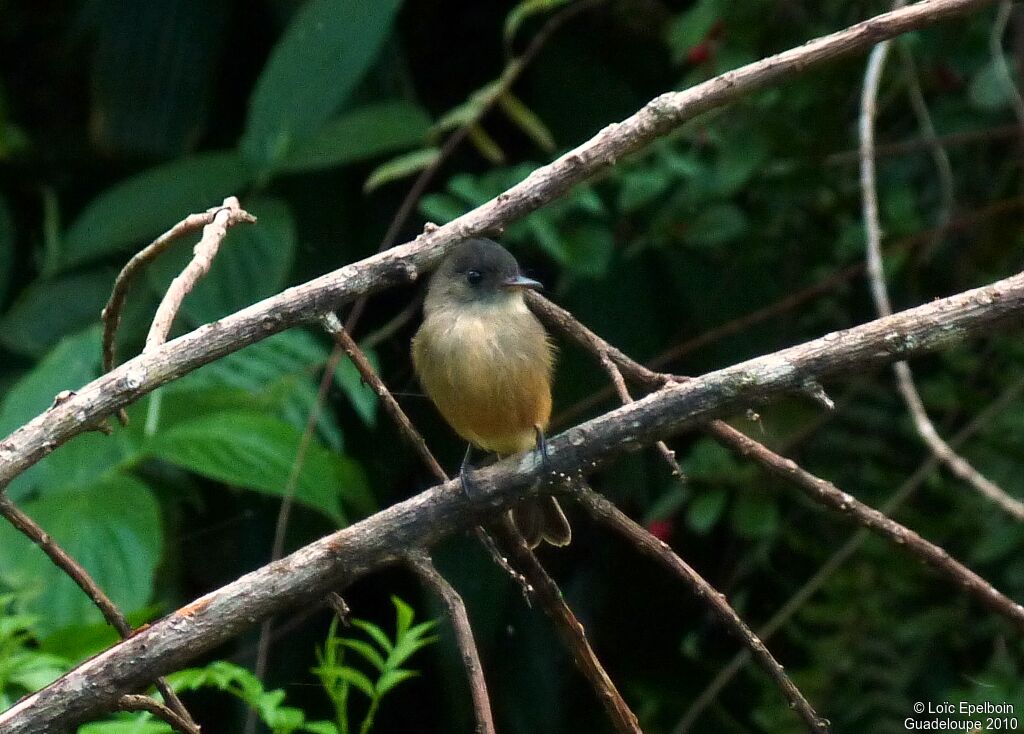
x=473, y=277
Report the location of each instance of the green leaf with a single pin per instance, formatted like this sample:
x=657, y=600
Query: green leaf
x=392, y=678
x=6, y=249
x=706, y=509
x=989, y=89
x=366, y=650
x=403, y=617
x=689, y=28
x=378, y=635
x=320, y=727
x=325, y=51
x=717, y=225
x=400, y=167
x=361, y=133
x=51, y=308
x=253, y=263
x=149, y=203
x=527, y=121
x=135, y=724
x=357, y=679
x=71, y=364
x=112, y=527
x=281, y=369
x=524, y=10
x=257, y=452
x=754, y=515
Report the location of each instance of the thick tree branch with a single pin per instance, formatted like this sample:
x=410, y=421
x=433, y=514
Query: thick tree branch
x=338, y=559
x=407, y=262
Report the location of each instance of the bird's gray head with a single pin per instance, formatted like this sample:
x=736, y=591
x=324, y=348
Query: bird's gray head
x=477, y=271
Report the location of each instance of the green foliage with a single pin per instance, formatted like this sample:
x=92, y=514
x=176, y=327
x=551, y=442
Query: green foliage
x=313, y=69
x=23, y=669
x=384, y=655
x=242, y=684
x=253, y=263
x=141, y=207
x=315, y=114
x=111, y=526
x=364, y=132
x=258, y=452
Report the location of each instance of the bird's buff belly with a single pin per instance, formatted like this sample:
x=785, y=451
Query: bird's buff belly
x=494, y=403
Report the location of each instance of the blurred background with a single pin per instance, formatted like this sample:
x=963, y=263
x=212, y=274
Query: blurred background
x=739, y=234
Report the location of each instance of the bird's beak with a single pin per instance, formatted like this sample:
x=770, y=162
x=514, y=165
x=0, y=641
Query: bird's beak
x=520, y=282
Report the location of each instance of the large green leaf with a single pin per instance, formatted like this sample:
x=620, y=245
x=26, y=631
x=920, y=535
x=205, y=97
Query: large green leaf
x=51, y=308
x=257, y=452
x=253, y=262
x=112, y=527
x=143, y=206
x=71, y=364
x=325, y=51
x=361, y=133
x=290, y=361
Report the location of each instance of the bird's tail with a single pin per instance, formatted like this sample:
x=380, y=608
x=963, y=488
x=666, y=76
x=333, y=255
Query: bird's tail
x=541, y=519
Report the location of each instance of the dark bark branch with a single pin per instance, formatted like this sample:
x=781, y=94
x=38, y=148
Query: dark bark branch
x=903, y=493
x=333, y=562
x=74, y=570
x=135, y=702
x=819, y=490
x=424, y=568
x=405, y=263
x=604, y=511
x=569, y=629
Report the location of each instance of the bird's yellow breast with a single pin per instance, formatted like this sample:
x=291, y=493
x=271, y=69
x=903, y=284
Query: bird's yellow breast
x=488, y=371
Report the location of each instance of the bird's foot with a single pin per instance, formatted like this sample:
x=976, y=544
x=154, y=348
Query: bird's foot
x=542, y=449
x=468, y=488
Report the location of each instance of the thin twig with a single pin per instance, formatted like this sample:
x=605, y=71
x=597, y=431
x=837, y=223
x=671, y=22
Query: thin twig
x=943, y=167
x=786, y=304
x=74, y=570
x=421, y=563
x=604, y=511
x=136, y=702
x=344, y=342
x=567, y=626
x=111, y=313
x=912, y=145
x=837, y=559
x=823, y=492
x=229, y=214
x=828, y=495
x=872, y=224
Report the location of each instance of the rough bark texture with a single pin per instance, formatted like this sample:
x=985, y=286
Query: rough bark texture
x=407, y=262
x=337, y=560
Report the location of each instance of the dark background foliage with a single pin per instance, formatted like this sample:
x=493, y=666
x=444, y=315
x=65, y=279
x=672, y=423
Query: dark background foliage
x=119, y=117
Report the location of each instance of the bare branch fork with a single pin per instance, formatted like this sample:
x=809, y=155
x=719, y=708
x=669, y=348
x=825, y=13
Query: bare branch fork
x=407, y=262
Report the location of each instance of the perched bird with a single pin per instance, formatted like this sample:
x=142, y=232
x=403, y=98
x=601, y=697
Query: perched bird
x=485, y=361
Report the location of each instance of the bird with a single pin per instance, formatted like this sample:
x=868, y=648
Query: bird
x=486, y=363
